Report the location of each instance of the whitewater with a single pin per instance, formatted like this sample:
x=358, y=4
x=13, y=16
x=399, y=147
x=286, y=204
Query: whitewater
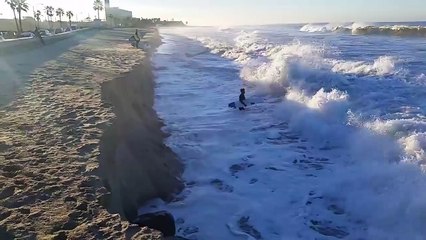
x=333, y=148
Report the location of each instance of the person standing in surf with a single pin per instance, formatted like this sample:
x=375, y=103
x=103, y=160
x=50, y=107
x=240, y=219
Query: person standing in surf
x=38, y=35
x=242, y=98
x=137, y=39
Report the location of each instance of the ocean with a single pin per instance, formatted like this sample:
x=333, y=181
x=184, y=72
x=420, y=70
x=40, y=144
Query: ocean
x=333, y=147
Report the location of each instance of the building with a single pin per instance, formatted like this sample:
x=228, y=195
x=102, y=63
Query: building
x=118, y=13
x=114, y=14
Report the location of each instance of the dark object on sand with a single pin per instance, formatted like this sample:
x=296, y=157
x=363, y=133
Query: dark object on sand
x=161, y=221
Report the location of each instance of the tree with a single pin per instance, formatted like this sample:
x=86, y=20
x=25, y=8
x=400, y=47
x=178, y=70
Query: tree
x=21, y=6
x=69, y=15
x=49, y=12
x=37, y=17
x=98, y=6
x=60, y=12
x=12, y=5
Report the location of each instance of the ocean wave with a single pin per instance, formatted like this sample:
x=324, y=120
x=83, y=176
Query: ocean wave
x=225, y=29
x=382, y=66
x=246, y=45
x=415, y=147
x=364, y=29
x=266, y=62
x=305, y=74
x=375, y=175
x=397, y=30
x=315, y=28
x=410, y=132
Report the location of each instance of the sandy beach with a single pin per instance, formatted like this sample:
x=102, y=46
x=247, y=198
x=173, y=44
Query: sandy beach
x=80, y=146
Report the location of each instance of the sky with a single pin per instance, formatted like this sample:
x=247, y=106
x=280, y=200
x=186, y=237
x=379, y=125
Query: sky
x=250, y=12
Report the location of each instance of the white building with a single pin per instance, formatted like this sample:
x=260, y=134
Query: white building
x=117, y=13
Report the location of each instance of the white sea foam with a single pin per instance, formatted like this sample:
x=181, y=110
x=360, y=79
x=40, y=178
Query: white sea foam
x=268, y=63
x=300, y=68
x=319, y=28
x=384, y=65
x=333, y=27
x=372, y=173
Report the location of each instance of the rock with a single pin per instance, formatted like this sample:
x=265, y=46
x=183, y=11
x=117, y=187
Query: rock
x=161, y=221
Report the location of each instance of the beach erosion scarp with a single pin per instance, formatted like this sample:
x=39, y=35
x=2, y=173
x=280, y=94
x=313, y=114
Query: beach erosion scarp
x=80, y=142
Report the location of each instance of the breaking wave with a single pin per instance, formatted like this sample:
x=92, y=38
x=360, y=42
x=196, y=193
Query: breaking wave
x=366, y=29
x=354, y=108
x=303, y=69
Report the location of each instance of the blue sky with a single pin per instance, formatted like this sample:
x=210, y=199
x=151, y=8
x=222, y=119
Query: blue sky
x=240, y=12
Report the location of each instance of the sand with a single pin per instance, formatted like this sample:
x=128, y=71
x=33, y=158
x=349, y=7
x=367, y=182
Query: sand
x=77, y=119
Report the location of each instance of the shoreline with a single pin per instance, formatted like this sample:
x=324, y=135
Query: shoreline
x=84, y=119
x=135, y=163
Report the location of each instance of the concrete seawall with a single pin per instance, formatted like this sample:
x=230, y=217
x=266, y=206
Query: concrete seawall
x=26, y=44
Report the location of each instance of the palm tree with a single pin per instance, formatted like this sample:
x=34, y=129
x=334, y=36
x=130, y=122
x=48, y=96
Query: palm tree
x=49, y=13
x=69, y=15
x=60, y=13
x=12, y=5
x=37, y=15
x=98, y=6
x=21, y=6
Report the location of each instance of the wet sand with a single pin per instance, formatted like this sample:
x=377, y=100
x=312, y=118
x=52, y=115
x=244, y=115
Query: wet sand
x=80, y=146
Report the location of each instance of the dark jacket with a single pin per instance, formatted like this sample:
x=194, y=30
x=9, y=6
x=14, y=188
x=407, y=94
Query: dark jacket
x=242, y=99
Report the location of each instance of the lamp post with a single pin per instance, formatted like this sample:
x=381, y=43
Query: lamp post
x=35, y=20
